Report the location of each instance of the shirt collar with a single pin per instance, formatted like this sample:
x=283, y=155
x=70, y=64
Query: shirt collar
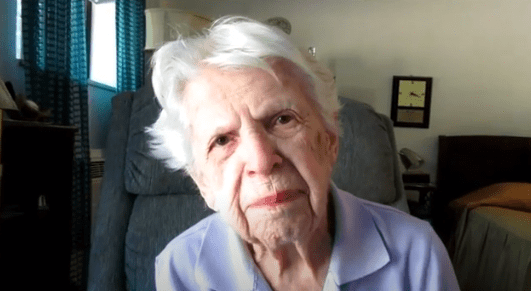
x=222, y=252
x=359, y=249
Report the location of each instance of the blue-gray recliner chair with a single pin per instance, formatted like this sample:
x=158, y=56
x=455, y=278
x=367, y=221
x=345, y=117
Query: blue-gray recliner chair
x=143, y=206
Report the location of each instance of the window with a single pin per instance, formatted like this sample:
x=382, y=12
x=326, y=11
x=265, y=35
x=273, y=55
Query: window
x=103, y=44
x=19, y=31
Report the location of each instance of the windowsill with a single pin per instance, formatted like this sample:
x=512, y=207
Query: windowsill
x=23, y=64
x=101, y=86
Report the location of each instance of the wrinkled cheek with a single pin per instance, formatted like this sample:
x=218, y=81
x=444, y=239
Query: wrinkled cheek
x=224, y=186
x=228, y=191
x=205, y=187
x=216, y=182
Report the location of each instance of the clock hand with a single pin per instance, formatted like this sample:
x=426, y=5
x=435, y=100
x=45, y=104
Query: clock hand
x=413, y=94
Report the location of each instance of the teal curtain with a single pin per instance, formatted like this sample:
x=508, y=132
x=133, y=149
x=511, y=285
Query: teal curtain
x=130, y=40
x=55, y=62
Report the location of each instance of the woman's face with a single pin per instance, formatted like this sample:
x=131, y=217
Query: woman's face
x=262, y=155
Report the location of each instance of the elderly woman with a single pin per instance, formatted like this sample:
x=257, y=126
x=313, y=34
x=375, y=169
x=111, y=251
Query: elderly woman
x=254, y=123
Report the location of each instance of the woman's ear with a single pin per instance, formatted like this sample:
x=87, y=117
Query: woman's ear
x=333, y=146
x=333, y=139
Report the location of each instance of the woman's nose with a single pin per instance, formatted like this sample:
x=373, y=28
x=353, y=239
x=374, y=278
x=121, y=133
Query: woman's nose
x=260, y=154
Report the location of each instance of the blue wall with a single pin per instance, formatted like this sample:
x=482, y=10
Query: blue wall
x=9, y=68
x=99, y=113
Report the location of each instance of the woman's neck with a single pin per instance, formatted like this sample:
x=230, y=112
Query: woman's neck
x=302, y=264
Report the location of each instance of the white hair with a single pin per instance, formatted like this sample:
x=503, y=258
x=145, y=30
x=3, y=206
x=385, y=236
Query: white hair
x=231, y=42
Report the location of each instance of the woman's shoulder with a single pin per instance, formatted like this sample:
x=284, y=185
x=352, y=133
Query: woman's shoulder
x=175, y=264
x=391, y=220
x=188, y=242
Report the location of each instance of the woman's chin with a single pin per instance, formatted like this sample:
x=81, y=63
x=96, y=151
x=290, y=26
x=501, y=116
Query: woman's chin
x=276, y=226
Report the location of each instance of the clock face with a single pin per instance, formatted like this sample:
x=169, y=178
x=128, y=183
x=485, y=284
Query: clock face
x=411, y=93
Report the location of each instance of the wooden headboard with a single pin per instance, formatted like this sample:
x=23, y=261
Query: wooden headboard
x=467, y=163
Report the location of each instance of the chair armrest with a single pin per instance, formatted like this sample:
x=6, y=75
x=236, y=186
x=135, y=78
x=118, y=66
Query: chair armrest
x=106, y=264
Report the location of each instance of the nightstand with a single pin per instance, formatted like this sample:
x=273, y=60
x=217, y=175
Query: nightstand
x=422, y=208
x=36, y=209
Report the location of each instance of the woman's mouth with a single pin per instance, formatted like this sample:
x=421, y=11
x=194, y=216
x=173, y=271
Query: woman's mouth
x=278, y=198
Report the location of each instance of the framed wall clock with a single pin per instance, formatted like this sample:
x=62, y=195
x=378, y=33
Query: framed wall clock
x=411, y=101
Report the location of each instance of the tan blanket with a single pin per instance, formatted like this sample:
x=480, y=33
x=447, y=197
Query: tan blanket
x=491, y=245
x=515, y=196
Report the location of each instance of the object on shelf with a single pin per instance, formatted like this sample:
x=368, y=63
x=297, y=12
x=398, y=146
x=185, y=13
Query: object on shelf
x=410, y=159
x=413, y=162
x=168, y=24
x=30, y=111
x=423, y=207
x=281, y=23
x=6, y=98
x=6, y=103
x=19, y=107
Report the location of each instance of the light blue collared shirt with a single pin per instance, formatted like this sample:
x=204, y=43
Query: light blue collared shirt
x=376, y=247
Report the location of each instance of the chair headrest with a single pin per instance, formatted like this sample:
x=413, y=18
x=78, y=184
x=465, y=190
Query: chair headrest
x=144, y=174
x=365, y=164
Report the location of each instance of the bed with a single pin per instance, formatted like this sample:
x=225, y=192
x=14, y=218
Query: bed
x=482, y=210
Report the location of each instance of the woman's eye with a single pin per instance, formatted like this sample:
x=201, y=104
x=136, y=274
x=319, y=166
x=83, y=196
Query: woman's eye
x=222, y=144
x=284, y=119
x=222, y=140
x=285, y=123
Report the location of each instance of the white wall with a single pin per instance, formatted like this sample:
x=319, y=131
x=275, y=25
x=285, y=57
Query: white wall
x=210, y=8
x=477, y=51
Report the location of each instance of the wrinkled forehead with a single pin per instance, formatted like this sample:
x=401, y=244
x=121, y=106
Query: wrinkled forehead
x=279, y=72
x=286, y=70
